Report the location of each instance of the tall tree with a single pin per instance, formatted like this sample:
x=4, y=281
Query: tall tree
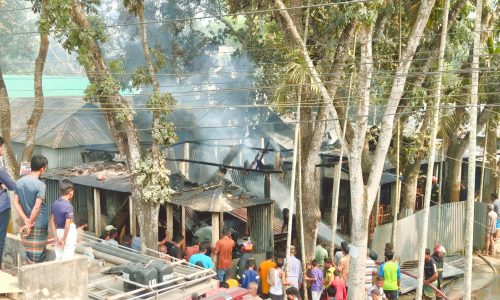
x=363, y=192
x=79, y=28
x=14, y=23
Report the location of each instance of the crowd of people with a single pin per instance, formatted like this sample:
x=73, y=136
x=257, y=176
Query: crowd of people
x=326, y=277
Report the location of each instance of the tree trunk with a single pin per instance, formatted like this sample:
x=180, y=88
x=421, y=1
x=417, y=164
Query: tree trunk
x=155, y=148
x=310, y=133
x=147, y=215
x=453, y=175
x=122, y=127
x=9, y=159
x=490, y=172
x=359, y=200
x=409, y=187
x=29, y=145
x=411, y=172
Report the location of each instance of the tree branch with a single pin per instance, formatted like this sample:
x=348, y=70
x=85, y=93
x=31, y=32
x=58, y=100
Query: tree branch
x=314, y=73
x=36, y=114
x=395, y=97
x=5, y=121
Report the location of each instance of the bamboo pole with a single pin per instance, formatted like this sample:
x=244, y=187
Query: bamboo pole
x=296, y=153
x=440, y=194
x=336, y=183
x=432, y=153
x=481, y=187
x=395, y=213
x=338, y=174
x=471, y=176
x=301, y=222
x=292, y=193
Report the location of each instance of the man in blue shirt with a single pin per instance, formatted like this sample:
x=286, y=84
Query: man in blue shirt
x=205, y=260
x=62, y=221
x=6, y=183
x=29, y=202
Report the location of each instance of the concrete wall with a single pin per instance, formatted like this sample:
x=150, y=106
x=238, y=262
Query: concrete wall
x=65, y=279
x=14, y=246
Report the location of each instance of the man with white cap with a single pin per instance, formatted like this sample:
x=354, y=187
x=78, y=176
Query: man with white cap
x=438, y=257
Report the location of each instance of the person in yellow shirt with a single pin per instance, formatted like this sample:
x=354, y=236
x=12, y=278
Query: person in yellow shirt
x=264, y=269
x=329, y=272
x=231, y=282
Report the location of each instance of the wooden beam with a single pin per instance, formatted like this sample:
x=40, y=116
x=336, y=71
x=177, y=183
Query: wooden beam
x=224, y=166
x=267, y=187
x=169, y=212
x=183, y=224
x=377, y=208
x=185, y=165
x=221, y=222
x=215, y=228
x=97, y=212
x=132, y=216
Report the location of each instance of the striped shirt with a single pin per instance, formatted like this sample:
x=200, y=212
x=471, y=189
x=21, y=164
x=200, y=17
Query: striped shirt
x=371, y=267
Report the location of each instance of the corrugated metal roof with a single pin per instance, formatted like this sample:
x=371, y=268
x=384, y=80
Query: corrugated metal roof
x=66, y=122
x=453, y=266
x=216, y=199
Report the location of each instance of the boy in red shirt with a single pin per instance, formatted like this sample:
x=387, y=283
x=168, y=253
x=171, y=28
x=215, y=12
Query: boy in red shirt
x=339, y=285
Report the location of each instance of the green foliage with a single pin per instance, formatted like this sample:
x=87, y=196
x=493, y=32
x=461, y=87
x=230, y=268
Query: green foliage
x=153, y=181
x=131, y=5
x=161, y=104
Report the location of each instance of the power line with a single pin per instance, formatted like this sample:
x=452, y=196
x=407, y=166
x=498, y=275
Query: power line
x=256, y=125
x=228, y=91
x=262, y=11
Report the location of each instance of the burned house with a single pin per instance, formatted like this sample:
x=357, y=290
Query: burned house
x=102, y=197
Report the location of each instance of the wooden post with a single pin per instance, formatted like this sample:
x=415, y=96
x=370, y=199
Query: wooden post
x=132, y=216
x=377, y=208
x=97, y=212
x=183, y=225
x=185, y=155
x=241, y=153
x=215, y=228
x=267, y=187
x=397, y=197
x=481, y=185
x=169, y=212
x=337, y=171
x=277, y=160
x=221, y=222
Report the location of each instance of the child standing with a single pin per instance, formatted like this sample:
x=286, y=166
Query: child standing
x=62, y=222
x=316, y=280
x=376, y=292
x=339, y=285
x=249, y=275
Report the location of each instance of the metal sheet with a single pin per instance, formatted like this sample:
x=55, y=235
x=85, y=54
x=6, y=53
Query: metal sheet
x=451, y=235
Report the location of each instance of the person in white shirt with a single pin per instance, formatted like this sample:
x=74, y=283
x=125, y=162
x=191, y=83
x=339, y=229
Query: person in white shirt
x=376, y=292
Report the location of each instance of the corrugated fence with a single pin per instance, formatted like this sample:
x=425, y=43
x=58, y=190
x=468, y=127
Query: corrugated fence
x=451, y=232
